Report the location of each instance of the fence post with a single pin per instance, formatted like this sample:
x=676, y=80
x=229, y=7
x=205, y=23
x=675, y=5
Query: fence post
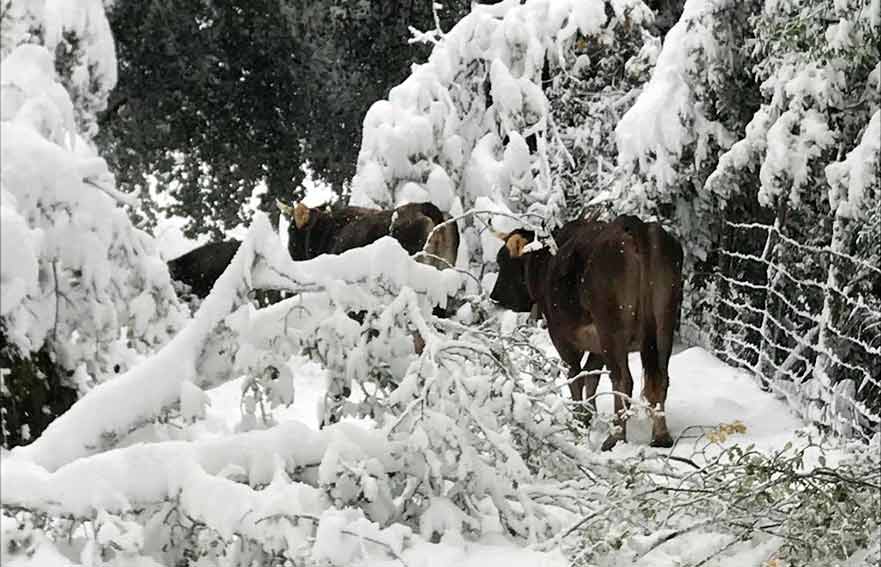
x=765, y=364
x=825, y=400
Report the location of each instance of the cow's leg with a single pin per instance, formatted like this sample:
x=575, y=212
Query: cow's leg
x=622, y=383
x=576, y=388
x=591, y=379
x=656, y=380
x=572, y=357
x=655, y=393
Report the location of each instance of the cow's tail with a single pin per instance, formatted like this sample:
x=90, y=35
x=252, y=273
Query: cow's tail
x=649, y=347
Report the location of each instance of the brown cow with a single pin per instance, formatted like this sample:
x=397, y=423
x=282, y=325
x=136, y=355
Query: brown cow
x=612, y=288
x=316, y=231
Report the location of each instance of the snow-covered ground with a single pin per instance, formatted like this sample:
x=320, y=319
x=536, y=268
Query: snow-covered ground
x=309, y=386
x=703, y=392
x=138, y=470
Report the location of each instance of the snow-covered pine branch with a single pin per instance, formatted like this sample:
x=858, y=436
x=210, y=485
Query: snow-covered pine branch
x=84, y=292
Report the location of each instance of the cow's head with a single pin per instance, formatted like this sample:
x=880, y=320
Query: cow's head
x=511, y=290
x=302, y=220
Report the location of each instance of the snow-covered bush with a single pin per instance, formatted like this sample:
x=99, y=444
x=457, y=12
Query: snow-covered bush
x=746, y=106
x=77, y=276
x=453, y=423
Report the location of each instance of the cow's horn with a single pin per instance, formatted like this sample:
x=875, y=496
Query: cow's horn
x=301, y=215
x=285, y=209
x=516, y=244
x=503, y=236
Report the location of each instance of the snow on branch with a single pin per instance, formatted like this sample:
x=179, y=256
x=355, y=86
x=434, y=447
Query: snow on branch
x=849, y=179
x=667, y=116
x=384, y=260
x=114, y=407
x=115, y=481
x=471, y=123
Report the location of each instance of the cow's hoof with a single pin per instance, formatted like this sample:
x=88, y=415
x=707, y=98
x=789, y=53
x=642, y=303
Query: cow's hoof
x=610, y=442
x=662, y=441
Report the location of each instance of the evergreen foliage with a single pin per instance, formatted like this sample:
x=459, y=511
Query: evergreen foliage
x=214, y=98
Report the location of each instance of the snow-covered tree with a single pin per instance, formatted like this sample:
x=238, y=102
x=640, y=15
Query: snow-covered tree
x=453, y=430
x=473, y=128
x=79, y=280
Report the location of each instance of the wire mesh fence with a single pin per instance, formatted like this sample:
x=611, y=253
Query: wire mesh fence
x=805, y=320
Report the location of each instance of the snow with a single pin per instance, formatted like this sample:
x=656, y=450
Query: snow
x=92, y=73
x=111, y=480
x=19, y=245
x=440, y=188
x=424, y=554
x=706, y=392
x=86, y=18
x=849, y=179
x=34, y=98
x=443, y=131
x=442, y=469
x=660, y=122
x=111, y=409
x=45, y=555
x=60, y=210
x=789, y=155
x=838, y=34
x=703, y=392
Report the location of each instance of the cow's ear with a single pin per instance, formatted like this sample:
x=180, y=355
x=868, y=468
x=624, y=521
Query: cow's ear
x=301, y=215
x=515, y=245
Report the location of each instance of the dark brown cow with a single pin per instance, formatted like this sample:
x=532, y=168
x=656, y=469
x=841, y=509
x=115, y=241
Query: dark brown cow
x=612, y=288
x=199, y=268
x=316, y=231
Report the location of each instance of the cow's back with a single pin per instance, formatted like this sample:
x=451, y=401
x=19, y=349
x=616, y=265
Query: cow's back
x=357, y=227
x=584, y=283
x=199, y=268
x=345, y=228
x=332, y=231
